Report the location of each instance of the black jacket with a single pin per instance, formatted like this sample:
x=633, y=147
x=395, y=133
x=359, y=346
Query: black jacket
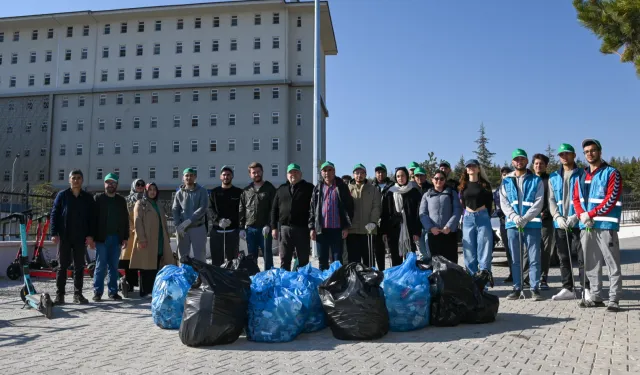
x=453, y=184
x=100, y=214
x=224, y=204
x=59, y=216
x=387, y=183
x=292, y=210
x=546, y=214
x=391, y=219
x=255, y=207
x=345, y=206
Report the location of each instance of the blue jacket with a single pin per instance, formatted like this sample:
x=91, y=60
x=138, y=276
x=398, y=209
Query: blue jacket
x=59, y=213
x=556, y=180
x=519, y=195
x=596, y=189
x=440, y=209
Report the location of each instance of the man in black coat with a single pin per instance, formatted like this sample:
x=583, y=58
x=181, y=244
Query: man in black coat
x=224, y=203
x=291, y=210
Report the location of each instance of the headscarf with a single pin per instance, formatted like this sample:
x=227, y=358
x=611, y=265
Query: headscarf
x=404, y=242
x=134, y=196
x=146, y=191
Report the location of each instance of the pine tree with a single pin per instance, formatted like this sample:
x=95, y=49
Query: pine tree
x=483, y=153
x=553, y=162
x=430, y=165
x=616, y=23
x=458, y=171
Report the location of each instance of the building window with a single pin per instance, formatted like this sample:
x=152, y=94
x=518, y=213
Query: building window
x=116, y=171
x=275, y=93
x=65, y=101
x=14, y=58
x=196, y=46
x=153, y=147
x=158, y=26
x=232, y=69
x=216, y=21
x=257, y=19
x=123, y=51
x=137, y=98
x=275, y=170
x=99, y=174
x=196, y=70
x=275, y=144
x=101, y=124
x=232, y=94
x=103, y=99
x=139, y=50
x=66, y=78
x=275, y=118
x=7, y=152
x=60, y=174
x=105, y=52
x=48, y=57
x=178, y=71
x=69, y=31
x=180, y=24
x=136, y=122
x=195, y=96
x=232, y=145
x=80, y=125
x=256, y=144
x=177, y=97
x=276, y=42
x=81, y=100
x=256, y=94
x=197, y=23
x=7, y=177
x=12, y=81
x=213, y=120
x=212, y=172
x=299, y=46
x=154, y=98
x=214, y=70
x=104, y=75
x=32, y=80
x=214, y=95
x=178, y=47
x=152, y=173
x=275, y=67
x=138, y=73
x=41, y=175
x=32, y=57
x=67, y=55
x=135, y=147
x=34, y=35
x=153, y=123
x=84, y=53
x=232, y=119
x=118, y=123
x=30, y=105
x=256, y=43
x=107, y=29
x=194, y=120
x=10, y=129
x=175, y=173
x=83, y=77
x=256, y=119
x=25, y=176
x=213, y=145
x=298, y=94
x=79, y=149
x=299, y=22
x=100, y=148
x=276, y=18
x=194, y=145
x=256, y=68
x=299, y=70
x=85, y=30
x=176, y=121
x=298, y=120
x=215, y=45
x=28, y=128
x=116, y=148
x=176, y=146
x=156, y=73
x=120, y=99
x=134, y=173
x=298, y=145
x=140, y=26
x=156, y=49
x=43, y=151
x=233, y=46
x=45, y=125
x=26, y=152
x=123, y=28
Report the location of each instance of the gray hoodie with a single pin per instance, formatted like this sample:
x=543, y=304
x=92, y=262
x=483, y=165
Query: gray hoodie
x=190, y=204
x=506, y=206
x=440, y=209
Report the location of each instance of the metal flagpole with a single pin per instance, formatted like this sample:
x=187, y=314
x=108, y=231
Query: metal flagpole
x=317, y=136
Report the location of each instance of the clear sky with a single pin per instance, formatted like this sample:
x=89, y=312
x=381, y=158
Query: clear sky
x=414, y=76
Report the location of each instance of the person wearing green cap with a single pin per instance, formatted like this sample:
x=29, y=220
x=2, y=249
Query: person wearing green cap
x=189, y=209
x=522, y=200
x=412, y=166
x=420, y=178
x=111, y=235
x=224, y=205
x=539, y=165
x=330, y=215
x=290, y=210
x=565, y=221
x=596, y=199
x=383, y=183
x=72, y=228
x=367, y=203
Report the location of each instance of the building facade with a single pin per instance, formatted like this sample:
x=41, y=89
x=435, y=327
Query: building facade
x=147, y=92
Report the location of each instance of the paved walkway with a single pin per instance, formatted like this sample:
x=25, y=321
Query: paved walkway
x=528, y=338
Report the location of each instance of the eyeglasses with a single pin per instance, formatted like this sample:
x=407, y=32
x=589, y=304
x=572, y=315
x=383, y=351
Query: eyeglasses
x=438, y=179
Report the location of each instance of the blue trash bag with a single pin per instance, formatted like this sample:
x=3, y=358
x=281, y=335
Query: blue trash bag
x=278, y=306
x=169, y=294
x=333, y=267
x=407, y=295
x=316, y=318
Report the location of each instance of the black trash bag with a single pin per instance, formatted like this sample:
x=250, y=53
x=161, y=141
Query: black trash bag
x=354, y=303
x=215, y=313
x=487, y=310
x=243, y=262
x=454, y=293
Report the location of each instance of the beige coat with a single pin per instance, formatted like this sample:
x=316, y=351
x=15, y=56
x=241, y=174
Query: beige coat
x=145, y=221
x=125, y=252
x=367, y=204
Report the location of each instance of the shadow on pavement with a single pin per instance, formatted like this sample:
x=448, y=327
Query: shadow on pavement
x=21, y=339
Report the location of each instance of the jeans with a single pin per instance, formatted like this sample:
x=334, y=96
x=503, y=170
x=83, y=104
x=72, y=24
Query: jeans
x=107, y=259
x=255, y=239
x=505, y=242
x=330, y=240
x=531, y=239
x=477, y=241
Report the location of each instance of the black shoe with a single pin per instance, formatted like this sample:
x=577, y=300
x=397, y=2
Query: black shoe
x=613, y=307
x=526, y=285
x=115, y=297
x=515, y=294
x=79, y=298
x=600, y=304
x=97, y=298
x=59, y=300
x=509, y=279
x=544, y=285
x=535, y=294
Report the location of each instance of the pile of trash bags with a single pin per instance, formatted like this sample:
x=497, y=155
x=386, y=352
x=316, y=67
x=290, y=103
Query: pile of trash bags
x=407, y=293
x=215, y=313
x=279, y=305
x=315, y=317
x=457, y=297
x=169, y=293
x=354, y=303
x=243, y=262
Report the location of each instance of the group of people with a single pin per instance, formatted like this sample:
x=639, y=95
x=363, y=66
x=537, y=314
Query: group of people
x=572, y=208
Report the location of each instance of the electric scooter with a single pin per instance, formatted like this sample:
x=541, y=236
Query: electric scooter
x=13, y=270
x=39, y=262
x=28, y=294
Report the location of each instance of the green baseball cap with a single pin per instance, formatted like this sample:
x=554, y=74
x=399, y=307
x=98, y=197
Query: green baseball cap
x=518, y=152
x=589, y=141
x=293, y=167
x=359, y=166
x=111, y=176
x=189, y=170
x=413, y=165
x=565, y=147
x=381, y=166
x=327, y=164
x=419, y=171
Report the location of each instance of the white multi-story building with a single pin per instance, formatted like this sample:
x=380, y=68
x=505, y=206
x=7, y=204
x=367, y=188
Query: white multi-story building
x=147, y=92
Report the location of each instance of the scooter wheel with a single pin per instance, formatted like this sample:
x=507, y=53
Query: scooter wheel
x=46, y=305
x=13, y=271
x=23, y=293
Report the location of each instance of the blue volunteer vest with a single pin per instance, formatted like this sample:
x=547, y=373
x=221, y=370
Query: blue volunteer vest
x=556, y=180
x=530, y=188
x=594, y=193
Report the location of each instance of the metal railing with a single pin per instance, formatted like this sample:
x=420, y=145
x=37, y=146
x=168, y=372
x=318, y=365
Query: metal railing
x=630, y=209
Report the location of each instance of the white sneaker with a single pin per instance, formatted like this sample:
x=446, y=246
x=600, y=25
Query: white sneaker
x=565, y=294
x=587, y=294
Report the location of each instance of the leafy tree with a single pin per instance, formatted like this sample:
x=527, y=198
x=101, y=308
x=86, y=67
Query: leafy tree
x=617, y=23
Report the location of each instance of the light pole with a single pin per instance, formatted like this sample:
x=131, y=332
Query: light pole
x=13, y=169
x=317, y=121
